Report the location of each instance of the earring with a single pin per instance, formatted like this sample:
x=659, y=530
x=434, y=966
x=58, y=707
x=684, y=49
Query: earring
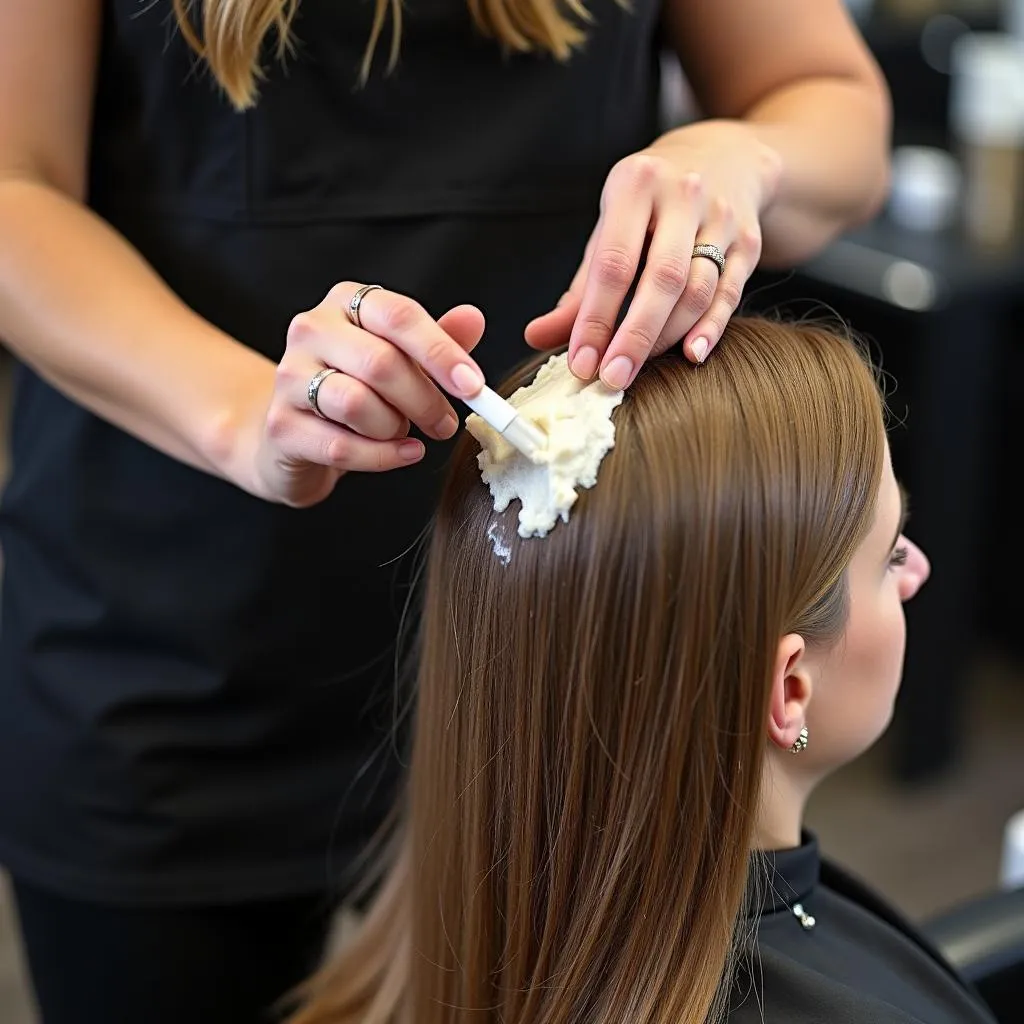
x=801, y=742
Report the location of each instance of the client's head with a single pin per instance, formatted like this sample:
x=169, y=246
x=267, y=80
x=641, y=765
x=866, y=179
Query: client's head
x=606, y=716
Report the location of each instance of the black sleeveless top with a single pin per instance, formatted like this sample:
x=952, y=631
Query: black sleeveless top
x=193, y=683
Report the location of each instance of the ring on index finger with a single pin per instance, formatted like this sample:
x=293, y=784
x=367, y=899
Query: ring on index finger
x=352, y=310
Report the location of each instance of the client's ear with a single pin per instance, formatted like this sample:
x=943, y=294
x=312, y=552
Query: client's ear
x=791, y=691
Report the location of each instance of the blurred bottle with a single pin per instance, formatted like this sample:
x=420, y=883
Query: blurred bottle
x=925, y=190
x=987, y=120
x=1011, y=873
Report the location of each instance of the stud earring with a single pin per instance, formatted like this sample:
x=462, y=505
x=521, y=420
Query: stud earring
x=801, y=742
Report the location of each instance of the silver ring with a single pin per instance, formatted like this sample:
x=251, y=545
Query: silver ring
x=356, y=301
x=314, y=389
x=713, y=253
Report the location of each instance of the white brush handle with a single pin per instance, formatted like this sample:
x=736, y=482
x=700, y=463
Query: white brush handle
x=505, y=419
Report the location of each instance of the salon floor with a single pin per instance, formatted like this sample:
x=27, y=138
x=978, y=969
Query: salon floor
x=925, y=848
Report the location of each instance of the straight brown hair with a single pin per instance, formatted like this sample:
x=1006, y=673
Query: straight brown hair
x=591, y=717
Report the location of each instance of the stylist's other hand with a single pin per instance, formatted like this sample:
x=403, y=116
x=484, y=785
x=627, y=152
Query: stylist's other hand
x=706, y=183
x=385, y=380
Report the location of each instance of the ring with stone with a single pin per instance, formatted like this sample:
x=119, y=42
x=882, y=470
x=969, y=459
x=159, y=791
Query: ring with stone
x=713, y=253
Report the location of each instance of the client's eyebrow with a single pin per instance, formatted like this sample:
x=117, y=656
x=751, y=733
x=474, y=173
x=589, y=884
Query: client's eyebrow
x=904, y=514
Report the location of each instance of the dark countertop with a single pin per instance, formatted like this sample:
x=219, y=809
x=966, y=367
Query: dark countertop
x=917, y=271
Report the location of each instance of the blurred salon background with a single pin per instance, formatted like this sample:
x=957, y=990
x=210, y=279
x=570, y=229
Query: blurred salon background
x=936, y=284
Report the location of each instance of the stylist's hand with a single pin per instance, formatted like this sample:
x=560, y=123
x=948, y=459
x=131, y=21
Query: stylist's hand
x=705, y=183
x=386, y=370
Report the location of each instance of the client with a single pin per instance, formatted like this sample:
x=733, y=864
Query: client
x=618, y=725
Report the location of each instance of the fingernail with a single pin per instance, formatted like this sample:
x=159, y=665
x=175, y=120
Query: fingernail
x=467, y=380
x=700, y=349
x=446, y=425
x=411, y=450
x=618, y=372
x=584, y=363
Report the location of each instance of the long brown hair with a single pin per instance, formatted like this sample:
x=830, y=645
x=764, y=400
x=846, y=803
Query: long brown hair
x=229, y=34
x=591, y=717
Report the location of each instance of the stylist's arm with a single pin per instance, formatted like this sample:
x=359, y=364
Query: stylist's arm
x=796, y=151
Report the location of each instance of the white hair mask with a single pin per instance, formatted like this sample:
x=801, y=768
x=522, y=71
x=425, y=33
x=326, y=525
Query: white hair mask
x=577, y=418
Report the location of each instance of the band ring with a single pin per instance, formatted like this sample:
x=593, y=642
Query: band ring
x=313, y=389
x=713, y=253
x=356, y=301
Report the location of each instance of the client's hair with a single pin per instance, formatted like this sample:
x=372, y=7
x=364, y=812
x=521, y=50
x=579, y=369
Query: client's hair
x=591, y=717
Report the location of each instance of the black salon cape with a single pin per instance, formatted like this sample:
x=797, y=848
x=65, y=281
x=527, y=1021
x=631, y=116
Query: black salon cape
x=861, y=963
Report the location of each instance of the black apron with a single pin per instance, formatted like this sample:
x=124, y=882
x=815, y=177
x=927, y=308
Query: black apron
x=194, y=684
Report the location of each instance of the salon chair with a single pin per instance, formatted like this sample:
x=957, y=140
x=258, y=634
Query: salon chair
x=984, y=939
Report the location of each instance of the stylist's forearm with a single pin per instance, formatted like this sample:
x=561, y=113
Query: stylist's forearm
x=833, y=139
x=81, y=307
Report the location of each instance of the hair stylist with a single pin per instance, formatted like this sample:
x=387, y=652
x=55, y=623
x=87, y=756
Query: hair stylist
x=197, y=610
